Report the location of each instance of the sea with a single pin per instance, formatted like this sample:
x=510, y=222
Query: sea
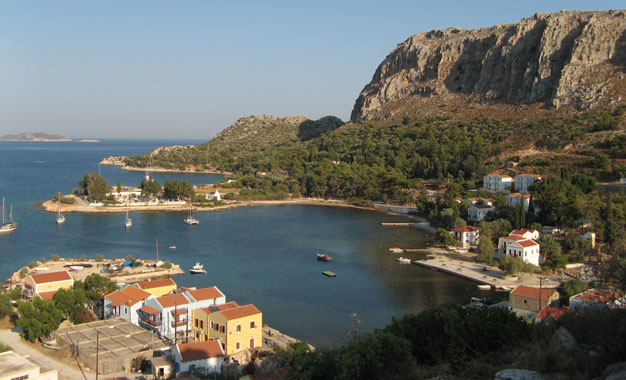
x=265, y=255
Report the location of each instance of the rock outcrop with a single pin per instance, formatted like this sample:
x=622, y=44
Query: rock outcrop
x=569, y=58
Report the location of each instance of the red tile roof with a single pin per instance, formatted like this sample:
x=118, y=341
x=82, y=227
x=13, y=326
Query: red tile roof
x=136, y=293
x=522, y=231
x=206, y=293
x=173, y=299
x=47, y=296
x=552, y=312
x=42, y=278
x=532, y=292
x=598, y=296
x=465, y=229
x=200, y=350
x=482, y=206
x=156, y=283
x=527, y=243
x=149, y=310
x=514, y=237
x=240, y=312
x=122, y=298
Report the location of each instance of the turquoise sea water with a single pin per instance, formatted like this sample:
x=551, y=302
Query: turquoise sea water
x=263, y=255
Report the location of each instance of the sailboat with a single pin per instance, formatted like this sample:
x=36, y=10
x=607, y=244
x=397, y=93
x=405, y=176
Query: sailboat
x=60, y=218
x=190, y=219
x=10, y=226
x=128, y=222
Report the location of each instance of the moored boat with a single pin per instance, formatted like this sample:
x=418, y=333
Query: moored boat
x=172, y=246
x=10, y=226
x=403, y=260
x=197, y=269
x=323, y=257
x=396, y=250
x=328, y=273
x=190, y=219
x=60, y=217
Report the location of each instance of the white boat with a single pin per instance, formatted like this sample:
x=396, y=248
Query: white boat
x=484, y=287
x=197, y=269
x=403, y=260
x=190, y=219
x=172, y=246
x=129, y=222
x=10, y=226
x=60, y=218
x=396, y=250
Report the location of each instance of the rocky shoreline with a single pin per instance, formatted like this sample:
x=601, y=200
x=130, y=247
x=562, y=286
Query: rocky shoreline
x=119, y=161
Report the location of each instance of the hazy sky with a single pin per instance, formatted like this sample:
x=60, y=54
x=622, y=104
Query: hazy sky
x=188, y=69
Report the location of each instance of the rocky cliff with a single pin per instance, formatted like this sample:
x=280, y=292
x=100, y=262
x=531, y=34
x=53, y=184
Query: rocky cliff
x=569, y=59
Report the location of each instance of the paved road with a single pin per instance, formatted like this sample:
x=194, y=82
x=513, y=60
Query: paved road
x=66, y=372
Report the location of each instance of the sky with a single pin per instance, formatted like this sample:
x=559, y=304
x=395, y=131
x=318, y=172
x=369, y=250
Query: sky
x=188, y=69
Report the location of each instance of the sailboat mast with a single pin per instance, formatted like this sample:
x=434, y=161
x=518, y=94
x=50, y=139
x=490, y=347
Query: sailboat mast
x=2, y=210
x=157, y=249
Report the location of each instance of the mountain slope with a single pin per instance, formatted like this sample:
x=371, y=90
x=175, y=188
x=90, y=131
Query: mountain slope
x=565, y=60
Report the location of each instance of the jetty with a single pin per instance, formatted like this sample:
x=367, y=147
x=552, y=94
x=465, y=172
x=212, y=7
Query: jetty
x=275, y=339
x=483, y=274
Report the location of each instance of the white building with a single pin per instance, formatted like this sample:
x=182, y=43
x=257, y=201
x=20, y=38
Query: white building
x=591, y=236
x=170, y=315
x=519, y=247
x=125, y=303
x=466, y=236
x=526, y=233
x=480, y=200
x=190, y=356
x=479, y=212
x=128, y=194
x=523, y=181
x=214, y=195
x=497, y=182
x=16, y=367
x=516, y=199
x=597, y=299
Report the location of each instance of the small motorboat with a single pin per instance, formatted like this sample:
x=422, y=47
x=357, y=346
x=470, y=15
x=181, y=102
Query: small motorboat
x=396, y=250
x=403, y=260
x=172, y=246
x=484, y=287
x=197, y=269
x=323, y=257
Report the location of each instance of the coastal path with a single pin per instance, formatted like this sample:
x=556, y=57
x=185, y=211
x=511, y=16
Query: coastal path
x=12, y=338
x=483, y=274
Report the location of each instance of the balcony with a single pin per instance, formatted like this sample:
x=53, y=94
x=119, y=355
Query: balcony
x=182, y=322
x=150, y=322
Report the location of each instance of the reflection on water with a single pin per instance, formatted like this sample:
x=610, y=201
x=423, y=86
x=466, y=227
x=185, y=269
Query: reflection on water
x=263, y=255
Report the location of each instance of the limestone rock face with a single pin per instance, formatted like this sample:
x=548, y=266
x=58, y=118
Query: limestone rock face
x=518, y=374
x=570, y=58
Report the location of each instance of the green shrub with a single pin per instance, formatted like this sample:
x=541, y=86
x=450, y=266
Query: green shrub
x=23, y=272
x=167, y=265
x=32, y=264
x=99, y=257
x=54, y=257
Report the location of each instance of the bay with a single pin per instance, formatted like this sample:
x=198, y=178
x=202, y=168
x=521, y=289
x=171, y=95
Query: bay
x=263, y=255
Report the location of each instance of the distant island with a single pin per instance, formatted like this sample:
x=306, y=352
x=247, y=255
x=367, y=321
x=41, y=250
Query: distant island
x=38, y=136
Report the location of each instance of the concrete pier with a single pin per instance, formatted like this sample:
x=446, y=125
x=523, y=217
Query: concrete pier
x=483, y=274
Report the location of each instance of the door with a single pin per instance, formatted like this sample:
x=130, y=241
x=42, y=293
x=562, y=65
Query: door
x=251, y=342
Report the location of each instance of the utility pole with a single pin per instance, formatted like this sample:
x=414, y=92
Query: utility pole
x=97, y=351
x=540, y=288
x=356, y=324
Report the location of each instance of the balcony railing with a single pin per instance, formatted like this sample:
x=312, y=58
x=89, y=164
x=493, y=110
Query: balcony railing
x=179, y=323
x=150, y=322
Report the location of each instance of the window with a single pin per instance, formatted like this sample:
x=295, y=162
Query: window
x=212, y=324
x=201, y=324
x=196, y=322
x=237, y=345
x=223, y=329
x=217, y=326
x=252, y=325
x=238, y=328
